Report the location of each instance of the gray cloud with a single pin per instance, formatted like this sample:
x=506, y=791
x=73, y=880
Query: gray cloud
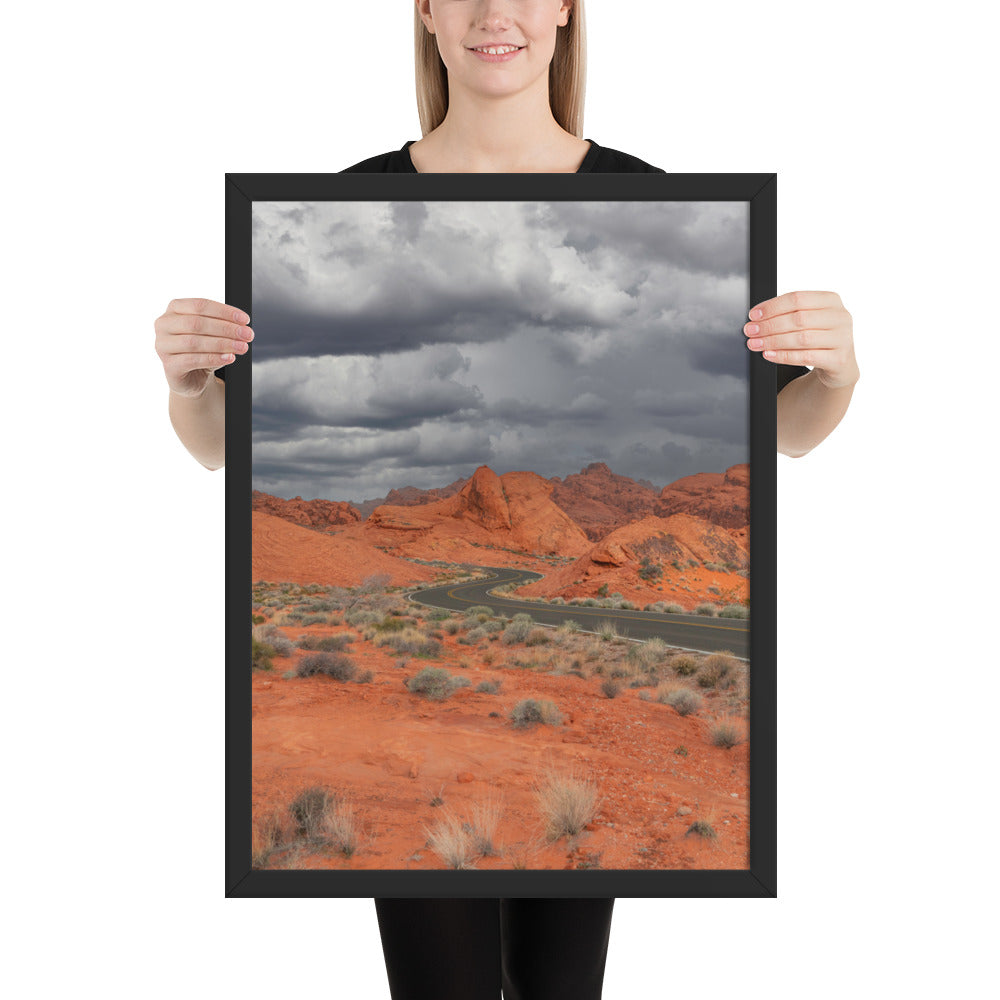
x=405, y=343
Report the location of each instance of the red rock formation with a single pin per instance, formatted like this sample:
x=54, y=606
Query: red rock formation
x=723, y=499
x=410, y=496
x=308, y=513
x=599, y=500
x=286, y=552
x=616, y=561
x=513, y=511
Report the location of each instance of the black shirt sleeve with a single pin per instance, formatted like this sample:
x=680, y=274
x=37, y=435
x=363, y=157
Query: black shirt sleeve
x=786, y=373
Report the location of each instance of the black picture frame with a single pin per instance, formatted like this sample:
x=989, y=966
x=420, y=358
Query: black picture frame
x=759, y=191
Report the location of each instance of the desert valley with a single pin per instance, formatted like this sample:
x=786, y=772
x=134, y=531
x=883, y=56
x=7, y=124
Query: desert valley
x=454, y=678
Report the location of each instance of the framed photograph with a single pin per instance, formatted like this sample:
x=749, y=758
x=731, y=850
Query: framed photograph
x=500, y=536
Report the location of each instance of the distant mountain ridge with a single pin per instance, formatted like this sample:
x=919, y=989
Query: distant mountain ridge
x=596, y=499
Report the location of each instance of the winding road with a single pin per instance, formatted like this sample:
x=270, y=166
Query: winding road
x=695, y=632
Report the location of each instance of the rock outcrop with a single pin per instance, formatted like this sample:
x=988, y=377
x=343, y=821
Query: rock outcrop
x=308, y=513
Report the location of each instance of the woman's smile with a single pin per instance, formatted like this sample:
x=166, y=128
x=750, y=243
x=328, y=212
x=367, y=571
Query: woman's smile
x=496, y=53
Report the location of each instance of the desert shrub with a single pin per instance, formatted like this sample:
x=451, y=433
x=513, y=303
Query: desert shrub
x=530, y=711
x=362, y=616
x=684, y=664
x=682, y=700
x=483, y=828
x=715, y=567
x=735, y=611
x=607, y=631
x=488, y=687
x=602, y=590
x=451, y=842
x=274, y=637
x=327, y=643
x=366, y=678
x=411, y=641
x=558, y=601
x=538, y=637
x=707, y=609
x=649, y=570
x=717, y=670
x=310, y=809
x=610, y=687
x=335, y=665
x=479, y=611
x=474, y=635
x=702, y=828
x=646, y=655
x=313, y=620
x=725, y=732
x=451, y=626
x=435, y=683
x=518, y=630
x=260, y=655
x=266, y=834
x=567, y=803
x=338, y=827
x=673, y=609
x=392, y=623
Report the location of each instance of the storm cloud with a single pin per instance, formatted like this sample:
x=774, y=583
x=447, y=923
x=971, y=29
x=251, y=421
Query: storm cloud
x=405, y=343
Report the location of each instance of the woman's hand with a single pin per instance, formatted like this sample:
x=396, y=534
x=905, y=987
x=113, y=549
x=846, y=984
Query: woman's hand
x=196, y=336
x=806, y=328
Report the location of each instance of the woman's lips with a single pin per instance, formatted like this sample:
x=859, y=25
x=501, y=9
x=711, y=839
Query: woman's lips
x=497, y=57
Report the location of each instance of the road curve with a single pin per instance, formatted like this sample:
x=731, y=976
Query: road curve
x=696, y=632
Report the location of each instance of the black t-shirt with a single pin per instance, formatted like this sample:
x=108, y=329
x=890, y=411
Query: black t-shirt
x=599, y=160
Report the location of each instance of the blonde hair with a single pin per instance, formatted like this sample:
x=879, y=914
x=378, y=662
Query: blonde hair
x=567, y=74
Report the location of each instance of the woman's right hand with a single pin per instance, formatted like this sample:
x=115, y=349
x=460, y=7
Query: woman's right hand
x=196, y=336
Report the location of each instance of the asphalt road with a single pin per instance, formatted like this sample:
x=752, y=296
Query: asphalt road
x=697, y=632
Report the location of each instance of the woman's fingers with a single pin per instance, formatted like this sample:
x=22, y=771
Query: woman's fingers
x=806, y=328
x=792, y=302
x=195, y=337
x=209, y=308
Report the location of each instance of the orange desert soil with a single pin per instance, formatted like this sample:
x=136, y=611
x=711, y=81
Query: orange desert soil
x=389, y=752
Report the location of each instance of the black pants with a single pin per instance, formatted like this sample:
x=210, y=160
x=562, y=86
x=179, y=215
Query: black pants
x=467, y=949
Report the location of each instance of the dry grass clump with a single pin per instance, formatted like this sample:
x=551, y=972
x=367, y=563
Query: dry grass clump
x=309, y=808
x=567, y=803
x=530, y=711
x=335, y=665
x=718, y=670
x=538, y=637
x=647, y=656
x=460, y=843
x=272, y=636
x=261, y=654
x=436, y=683
x=411, y=641
x=518, y=630
x=479, y=613
x=607, y=631
x=266, y=835
x=610, y=687
x=683, y=700
x=684, y=664
x=703, y=829
x=319, y=821
x=726, y=732
x=327, y=643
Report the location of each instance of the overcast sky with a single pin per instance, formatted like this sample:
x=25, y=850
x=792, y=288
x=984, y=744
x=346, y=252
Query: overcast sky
x=406, y=343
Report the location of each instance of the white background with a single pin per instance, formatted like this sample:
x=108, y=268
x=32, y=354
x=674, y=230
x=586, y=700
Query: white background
x=125, y=118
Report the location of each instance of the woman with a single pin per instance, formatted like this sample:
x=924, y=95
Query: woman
x=500, y=86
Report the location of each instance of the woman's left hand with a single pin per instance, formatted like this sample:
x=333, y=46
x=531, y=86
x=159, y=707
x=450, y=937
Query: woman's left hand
x=806, y=328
